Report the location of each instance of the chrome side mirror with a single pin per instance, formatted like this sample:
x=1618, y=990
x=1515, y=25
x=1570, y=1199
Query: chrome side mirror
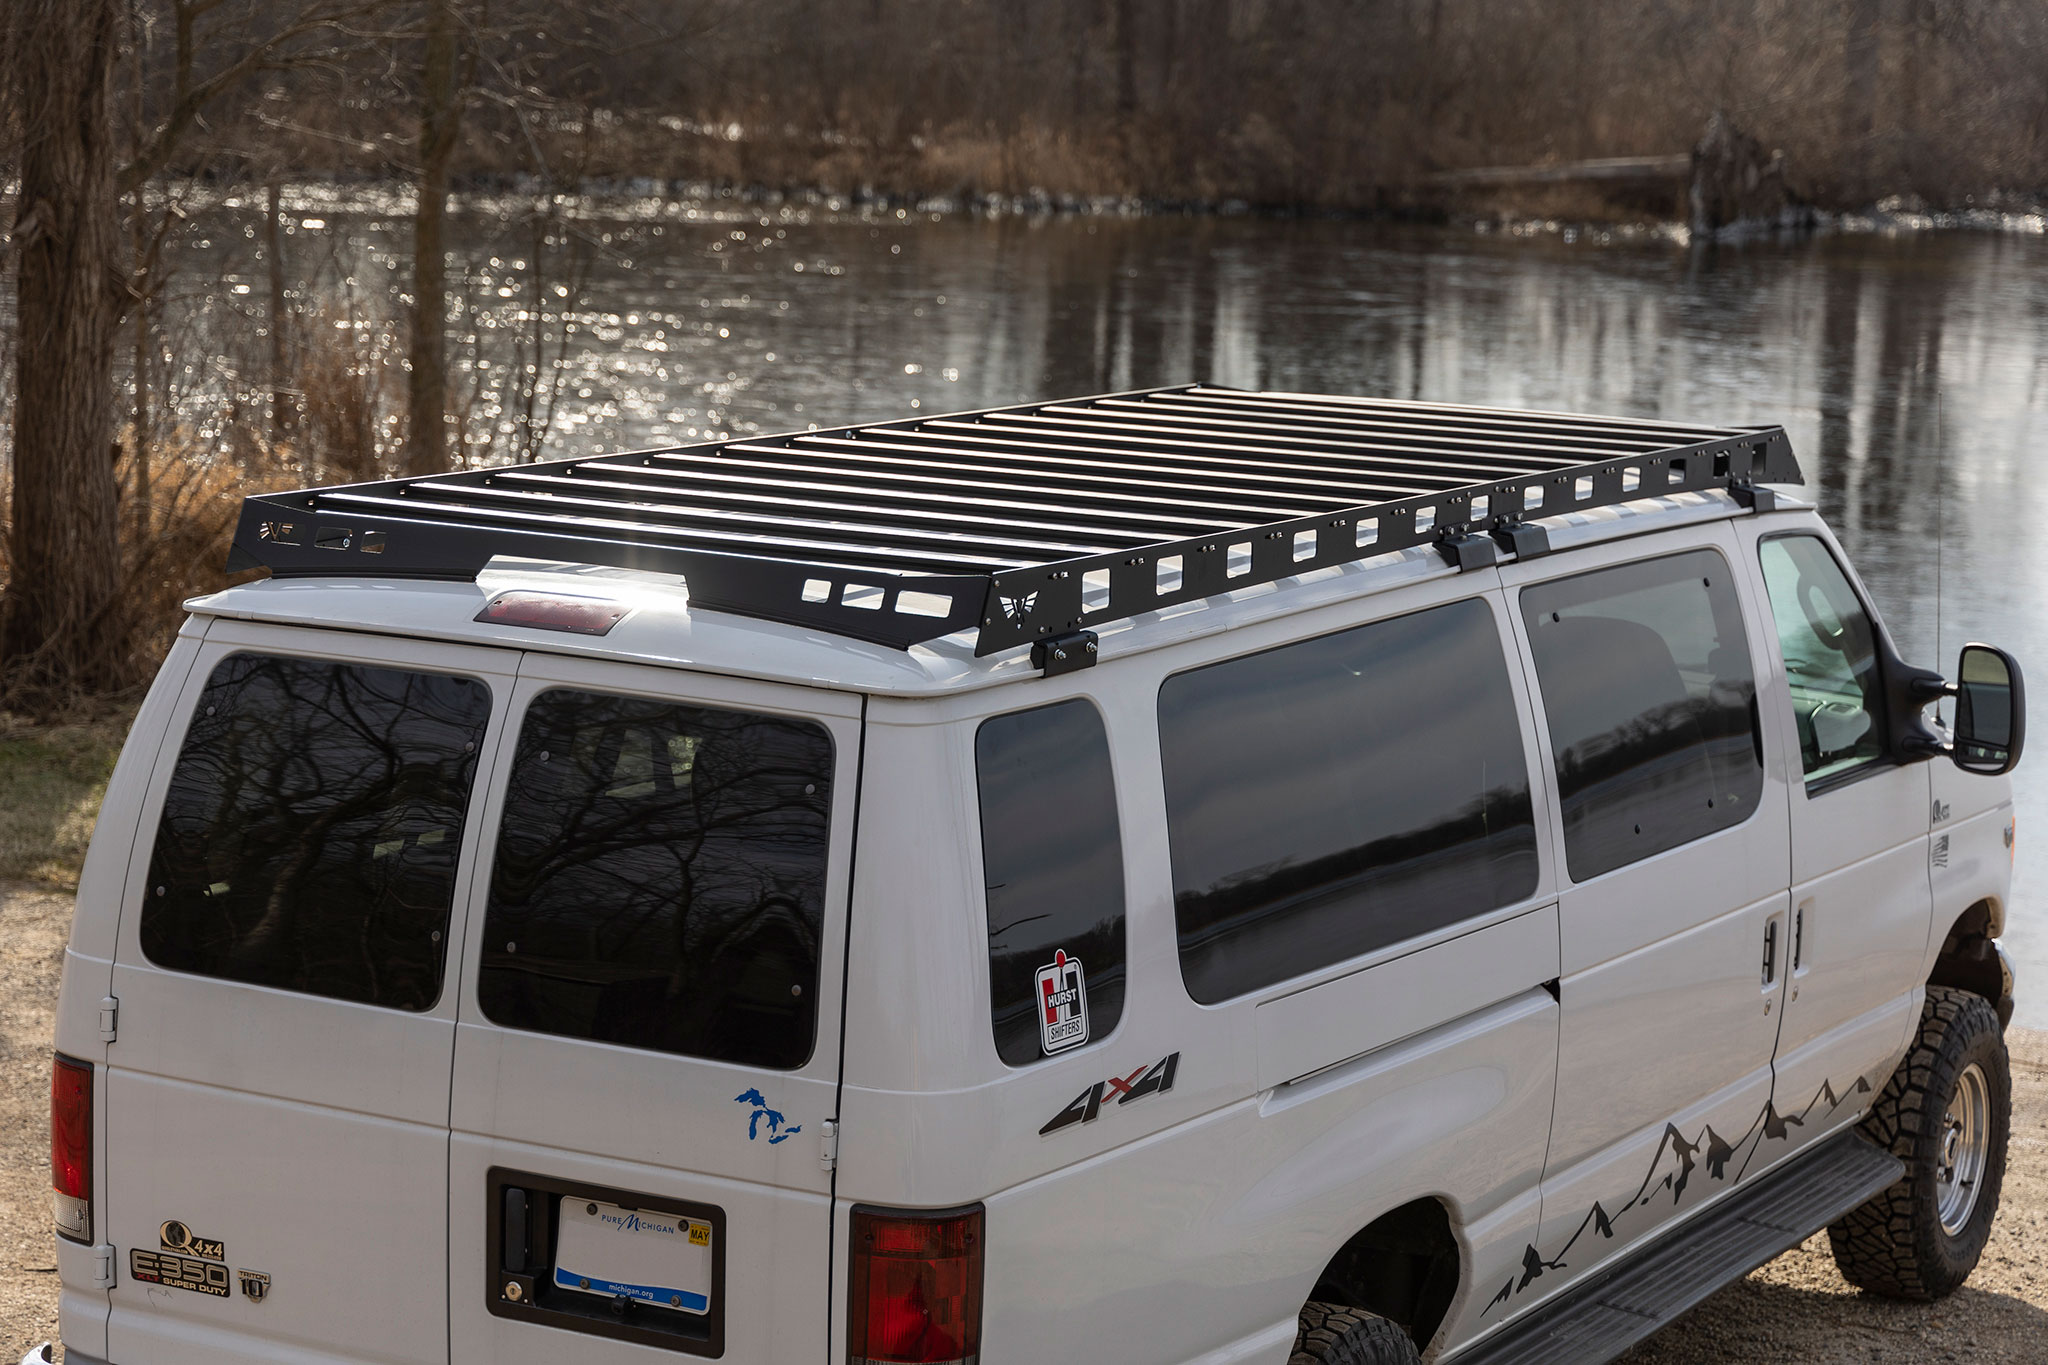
x=1991, y=711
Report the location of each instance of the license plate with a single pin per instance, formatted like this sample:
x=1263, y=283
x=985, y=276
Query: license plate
x=662, y=1259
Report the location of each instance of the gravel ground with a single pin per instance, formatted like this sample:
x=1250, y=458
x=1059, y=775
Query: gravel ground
x=1794, y=1309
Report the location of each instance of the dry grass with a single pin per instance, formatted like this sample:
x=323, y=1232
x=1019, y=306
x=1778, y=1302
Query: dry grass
x=52, y=778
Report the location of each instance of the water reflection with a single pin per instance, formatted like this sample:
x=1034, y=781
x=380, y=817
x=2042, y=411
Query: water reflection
x=1901, y=366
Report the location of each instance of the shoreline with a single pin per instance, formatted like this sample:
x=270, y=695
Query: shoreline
x=605, y=196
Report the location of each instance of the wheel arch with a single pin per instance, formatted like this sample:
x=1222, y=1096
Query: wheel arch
x=1970, y=959
x=1405, y=1265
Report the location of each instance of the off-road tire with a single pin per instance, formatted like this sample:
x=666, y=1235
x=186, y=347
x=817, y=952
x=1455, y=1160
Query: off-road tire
x=1331, y=1335
x=1895, y=1245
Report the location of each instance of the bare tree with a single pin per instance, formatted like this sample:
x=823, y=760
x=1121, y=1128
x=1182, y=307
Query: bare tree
x=427, y=442
x=63, y=628
x=61, y=605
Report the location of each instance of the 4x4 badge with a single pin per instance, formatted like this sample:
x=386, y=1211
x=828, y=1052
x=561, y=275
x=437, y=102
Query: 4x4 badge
x=1155, y=1079
x=1062, y=1003
x=175, y=1236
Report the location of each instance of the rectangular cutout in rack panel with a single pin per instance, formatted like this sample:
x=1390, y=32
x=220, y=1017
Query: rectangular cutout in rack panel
x=912, y=603
x=621, y=1281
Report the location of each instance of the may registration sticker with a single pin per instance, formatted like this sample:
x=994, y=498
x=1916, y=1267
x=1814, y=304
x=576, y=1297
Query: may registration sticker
x=661, y=1259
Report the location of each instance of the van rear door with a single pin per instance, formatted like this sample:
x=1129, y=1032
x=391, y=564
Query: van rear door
x=648, y=1048
x=277, y=1093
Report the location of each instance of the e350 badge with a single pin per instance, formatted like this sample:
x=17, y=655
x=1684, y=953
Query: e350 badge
x=194, y=1263
x=1155, y=1078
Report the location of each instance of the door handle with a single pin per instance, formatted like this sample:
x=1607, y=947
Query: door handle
x=1771, y=952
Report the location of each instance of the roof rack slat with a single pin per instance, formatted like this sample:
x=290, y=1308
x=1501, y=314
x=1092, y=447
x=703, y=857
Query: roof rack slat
x=1167, y=463
x=1328, y=444
x=1678, y=433
x=1070, y=495
x=1460, y=431
x=803, y=499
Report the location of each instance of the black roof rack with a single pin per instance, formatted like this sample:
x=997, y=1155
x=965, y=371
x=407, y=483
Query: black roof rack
x=906, y=531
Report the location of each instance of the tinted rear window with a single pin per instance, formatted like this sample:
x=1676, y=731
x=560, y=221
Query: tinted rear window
x=1650, y=697
x=1334, y=796
x=660, y=878
x=311, y=829
x=1052, y=858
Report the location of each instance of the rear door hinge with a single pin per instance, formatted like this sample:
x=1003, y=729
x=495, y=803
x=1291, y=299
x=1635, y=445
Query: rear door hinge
x=110, y=1019
x=828, y=1151
x=103, y=1266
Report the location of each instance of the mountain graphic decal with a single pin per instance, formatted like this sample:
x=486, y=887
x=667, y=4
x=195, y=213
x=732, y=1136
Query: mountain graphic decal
x=1674, y=1148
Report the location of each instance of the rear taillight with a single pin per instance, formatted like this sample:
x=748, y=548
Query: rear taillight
x=915, y=1287
x=71, y=1146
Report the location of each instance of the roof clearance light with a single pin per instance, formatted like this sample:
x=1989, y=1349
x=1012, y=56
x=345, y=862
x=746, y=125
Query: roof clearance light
x=551, y=611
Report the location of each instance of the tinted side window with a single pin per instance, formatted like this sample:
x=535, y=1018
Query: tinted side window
x=1651, y=702
x=1052, y=856
x=660, y=878
x=1338, y=795
x=1830, y=652
x=312, y=826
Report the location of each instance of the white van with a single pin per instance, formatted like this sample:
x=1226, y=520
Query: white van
x=1187, y=876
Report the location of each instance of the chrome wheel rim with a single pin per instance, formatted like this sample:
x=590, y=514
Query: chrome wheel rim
x=1963, y=1150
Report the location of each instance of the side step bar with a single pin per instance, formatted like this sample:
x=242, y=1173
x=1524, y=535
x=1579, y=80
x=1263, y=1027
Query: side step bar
x=1618, y=1307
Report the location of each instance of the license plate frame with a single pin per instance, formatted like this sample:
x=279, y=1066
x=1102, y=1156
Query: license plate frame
x=523, y=1226
x=643, y=1255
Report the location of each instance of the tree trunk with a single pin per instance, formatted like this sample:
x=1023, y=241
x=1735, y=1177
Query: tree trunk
x=143, y=495
x=1860, y=53
x=283, y=407
x=1126, y=59
x=62, y=629
x=426, y=439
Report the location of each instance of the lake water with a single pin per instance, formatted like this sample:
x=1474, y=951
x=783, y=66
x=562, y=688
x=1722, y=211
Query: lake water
x=1910, y=371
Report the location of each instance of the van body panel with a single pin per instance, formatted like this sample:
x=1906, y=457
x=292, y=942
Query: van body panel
x=655, y=1123
x=1978, y=869
x=1862, y=906
x=776, y=1281
x=932, y=1117
x=88, y=977
x=297, y=1132
x=1664, y=983
x=1311, y=1029
x=1662, y=1030
x=1232, y=1217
